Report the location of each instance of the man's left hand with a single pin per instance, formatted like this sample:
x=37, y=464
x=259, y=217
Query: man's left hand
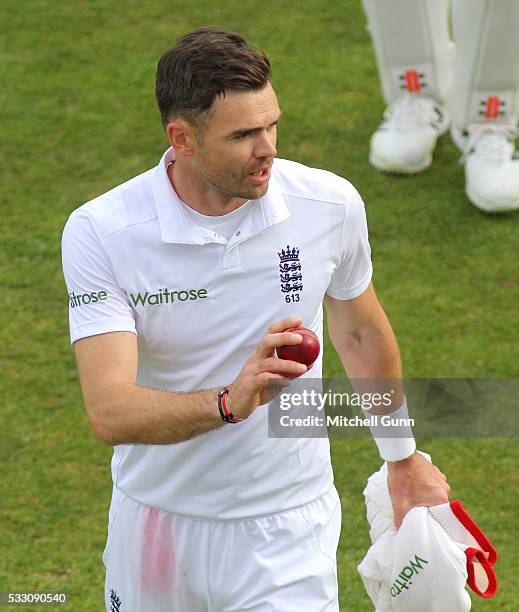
x=415, y=482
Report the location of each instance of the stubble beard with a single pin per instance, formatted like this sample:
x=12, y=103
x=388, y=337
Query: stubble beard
x=220, y=182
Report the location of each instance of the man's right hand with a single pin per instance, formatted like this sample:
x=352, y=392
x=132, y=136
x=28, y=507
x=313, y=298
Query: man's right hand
x=250, y=389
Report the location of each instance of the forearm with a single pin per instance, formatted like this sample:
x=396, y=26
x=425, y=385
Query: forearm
x=371, y=359
x=130, y=414
x=375, y=361
x=122, y=412
x=372, y=351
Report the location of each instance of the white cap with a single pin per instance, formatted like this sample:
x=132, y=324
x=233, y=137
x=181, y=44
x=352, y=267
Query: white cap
x=429, y=561
x=437, y=551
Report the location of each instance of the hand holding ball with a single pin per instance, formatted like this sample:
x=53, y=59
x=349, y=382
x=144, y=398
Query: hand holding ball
x=306, y=352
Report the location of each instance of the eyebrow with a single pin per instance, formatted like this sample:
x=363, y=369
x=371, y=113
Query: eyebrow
x=247, y=131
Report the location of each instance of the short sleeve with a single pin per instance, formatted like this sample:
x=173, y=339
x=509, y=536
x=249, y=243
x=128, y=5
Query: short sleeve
x=97, y=304
x=353, y=274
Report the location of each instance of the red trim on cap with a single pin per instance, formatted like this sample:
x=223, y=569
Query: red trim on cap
x=489, y=571
x=492, y=108
x=486, y=557
x=466, y=520
x=412, y=79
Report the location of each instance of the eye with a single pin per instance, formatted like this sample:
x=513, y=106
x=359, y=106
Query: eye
x=241, y=136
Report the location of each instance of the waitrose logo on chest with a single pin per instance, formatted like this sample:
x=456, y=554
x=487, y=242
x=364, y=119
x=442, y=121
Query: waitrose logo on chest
x=139, y=298
x=166, y=296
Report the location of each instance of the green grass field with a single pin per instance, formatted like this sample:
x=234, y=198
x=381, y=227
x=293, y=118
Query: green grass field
x=78, y=116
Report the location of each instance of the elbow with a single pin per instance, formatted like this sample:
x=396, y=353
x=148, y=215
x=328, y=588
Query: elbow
x=103, y=426
x=104, y=433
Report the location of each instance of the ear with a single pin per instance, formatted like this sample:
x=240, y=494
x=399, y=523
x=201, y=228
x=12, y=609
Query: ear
x=182, y=137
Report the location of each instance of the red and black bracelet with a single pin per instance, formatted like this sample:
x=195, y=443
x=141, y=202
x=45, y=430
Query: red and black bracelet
x=227, y=416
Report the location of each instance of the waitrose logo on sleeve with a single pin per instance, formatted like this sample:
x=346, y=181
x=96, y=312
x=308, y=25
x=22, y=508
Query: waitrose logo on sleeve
x=80, y=299
x=166, y=296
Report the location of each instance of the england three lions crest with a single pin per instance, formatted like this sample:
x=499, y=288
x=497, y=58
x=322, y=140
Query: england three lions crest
x=290, y=275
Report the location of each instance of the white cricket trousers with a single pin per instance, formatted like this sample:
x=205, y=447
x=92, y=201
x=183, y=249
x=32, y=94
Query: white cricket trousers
x=157, y=561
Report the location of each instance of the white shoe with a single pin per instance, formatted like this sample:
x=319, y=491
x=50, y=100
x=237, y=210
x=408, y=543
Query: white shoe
x=491, y=165
x=405, y=140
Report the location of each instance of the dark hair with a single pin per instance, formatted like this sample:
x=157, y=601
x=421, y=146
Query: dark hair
x=203, y=65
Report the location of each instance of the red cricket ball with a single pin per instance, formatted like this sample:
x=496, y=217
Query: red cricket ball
x=306, y=352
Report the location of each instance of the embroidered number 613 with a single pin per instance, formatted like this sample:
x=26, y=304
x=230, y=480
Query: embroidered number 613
x=292, y=298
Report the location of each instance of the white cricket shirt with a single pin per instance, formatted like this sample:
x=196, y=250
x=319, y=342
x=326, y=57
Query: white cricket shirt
x=199, y=304
x=224, y=225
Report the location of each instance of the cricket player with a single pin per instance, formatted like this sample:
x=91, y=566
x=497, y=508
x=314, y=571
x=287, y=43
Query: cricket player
x=182, y=283
x=427, y=80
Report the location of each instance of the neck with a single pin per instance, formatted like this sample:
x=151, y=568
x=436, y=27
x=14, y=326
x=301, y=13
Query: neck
x=198, y=194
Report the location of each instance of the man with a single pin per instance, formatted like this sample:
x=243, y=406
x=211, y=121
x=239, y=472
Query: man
x=175, y=294
x=422, y=88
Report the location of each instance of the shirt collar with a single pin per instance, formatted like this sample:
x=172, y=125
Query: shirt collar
x=177, y=227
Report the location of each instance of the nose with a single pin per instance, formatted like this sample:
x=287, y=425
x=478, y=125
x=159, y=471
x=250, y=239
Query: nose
x=265, y=146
